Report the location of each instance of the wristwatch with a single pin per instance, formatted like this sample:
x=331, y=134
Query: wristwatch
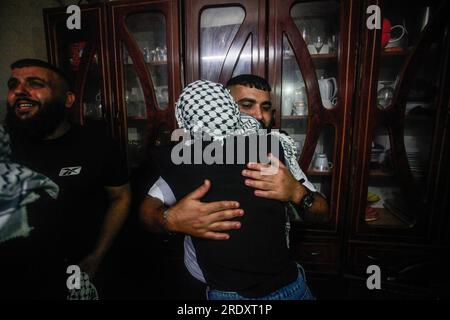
x=297, y=211
x=307, y=200
x=165, y=215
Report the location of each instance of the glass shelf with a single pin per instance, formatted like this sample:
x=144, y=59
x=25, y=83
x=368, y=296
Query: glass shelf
x=325, y=56
x=137, y=118
x=155, y=63
x=395, y=52
x=379, y=173
x=315, y=173
x=387, y=220
x=292, y=118
x=416, y=118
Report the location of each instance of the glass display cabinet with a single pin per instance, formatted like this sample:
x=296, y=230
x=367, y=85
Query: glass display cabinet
x=312, y=67
x=318, y=25
x=367, y=108
x=399, y=127
x=125, y=63
x=402, y=120
x=83, y=54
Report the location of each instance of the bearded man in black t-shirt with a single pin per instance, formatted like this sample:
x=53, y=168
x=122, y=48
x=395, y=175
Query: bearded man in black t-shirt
x=88, y=168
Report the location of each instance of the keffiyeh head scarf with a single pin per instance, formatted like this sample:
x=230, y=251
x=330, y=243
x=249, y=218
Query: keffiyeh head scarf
x=205, y=107
x=17, y=186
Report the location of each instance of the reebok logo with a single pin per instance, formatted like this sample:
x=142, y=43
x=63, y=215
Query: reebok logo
x=70, y=171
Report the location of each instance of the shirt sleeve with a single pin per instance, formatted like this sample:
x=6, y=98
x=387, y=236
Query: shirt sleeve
x=305, y=182
x=161, y=190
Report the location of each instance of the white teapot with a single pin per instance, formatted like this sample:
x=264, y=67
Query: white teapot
x=328, y=91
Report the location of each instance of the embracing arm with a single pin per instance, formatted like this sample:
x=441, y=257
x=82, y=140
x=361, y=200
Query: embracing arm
x=191, y=216
x=151, y=213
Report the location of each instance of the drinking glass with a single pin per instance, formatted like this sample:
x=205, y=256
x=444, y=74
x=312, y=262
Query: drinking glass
x=318, y=43
x=385, y=95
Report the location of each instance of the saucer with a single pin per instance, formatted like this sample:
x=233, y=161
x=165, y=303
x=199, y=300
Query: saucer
x=322, y=171
x=371, y=214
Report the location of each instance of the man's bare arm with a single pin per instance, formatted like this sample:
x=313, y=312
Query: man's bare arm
x=151, y=213
x=119, y=204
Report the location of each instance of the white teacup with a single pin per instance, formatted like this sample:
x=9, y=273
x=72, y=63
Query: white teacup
x=321, y=163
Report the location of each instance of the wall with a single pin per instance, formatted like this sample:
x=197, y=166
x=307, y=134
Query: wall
x=21, y=35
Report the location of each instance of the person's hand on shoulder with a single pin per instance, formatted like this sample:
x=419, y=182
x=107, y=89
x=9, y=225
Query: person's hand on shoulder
x=280, y=185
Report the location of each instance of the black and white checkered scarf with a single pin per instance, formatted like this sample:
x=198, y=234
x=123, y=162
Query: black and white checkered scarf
x=205, y=107
x=17, y=190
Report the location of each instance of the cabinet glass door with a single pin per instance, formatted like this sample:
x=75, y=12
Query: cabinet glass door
x=310, y=86
x=218, y=27
x=93, y=108
x=148, y=33
x=146, y=40
x=403, y=117
x=148, y=29
x=224, y=40
x=81, y=54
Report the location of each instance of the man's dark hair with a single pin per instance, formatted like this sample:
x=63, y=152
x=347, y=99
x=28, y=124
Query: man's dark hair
x=251, y=81
x=22, y=63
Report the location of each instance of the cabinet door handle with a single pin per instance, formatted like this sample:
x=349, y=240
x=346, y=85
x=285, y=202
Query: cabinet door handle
x=116, y=112
x=391, y=278
x=372, y=257
x=103, y=109
x=314, y=254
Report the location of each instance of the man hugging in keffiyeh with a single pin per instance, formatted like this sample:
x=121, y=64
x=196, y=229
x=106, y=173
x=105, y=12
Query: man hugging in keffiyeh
x=254, y=262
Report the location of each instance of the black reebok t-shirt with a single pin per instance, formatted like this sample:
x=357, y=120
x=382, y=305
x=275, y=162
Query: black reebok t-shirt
x=81, y=162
